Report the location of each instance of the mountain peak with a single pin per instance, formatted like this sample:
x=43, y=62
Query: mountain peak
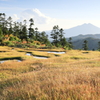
x=86, y=25
x=86, y=28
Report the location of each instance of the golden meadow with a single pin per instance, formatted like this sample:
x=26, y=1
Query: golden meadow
x=74, y=75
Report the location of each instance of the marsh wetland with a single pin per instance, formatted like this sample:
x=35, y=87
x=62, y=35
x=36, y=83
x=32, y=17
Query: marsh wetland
x=56, y=75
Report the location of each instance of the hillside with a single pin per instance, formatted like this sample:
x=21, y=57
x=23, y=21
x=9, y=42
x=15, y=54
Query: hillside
x=92, y=39
x=92, y=43
x=79, y=37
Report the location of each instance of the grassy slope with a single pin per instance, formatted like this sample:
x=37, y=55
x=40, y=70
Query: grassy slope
x=74, y=75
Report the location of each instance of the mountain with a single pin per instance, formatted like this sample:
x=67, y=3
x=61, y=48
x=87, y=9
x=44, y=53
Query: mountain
x=82, y=29
x=92, y=39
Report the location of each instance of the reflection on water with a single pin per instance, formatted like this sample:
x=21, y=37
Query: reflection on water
x=40, y=57
x=28, y=54
x=9, y=60
x=2, y=62
x=18, y=60
x=56, y=52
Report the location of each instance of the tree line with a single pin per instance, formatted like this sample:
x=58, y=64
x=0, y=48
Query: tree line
x=19, y=31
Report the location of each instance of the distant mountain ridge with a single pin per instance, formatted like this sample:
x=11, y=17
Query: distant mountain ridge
x=82, y=29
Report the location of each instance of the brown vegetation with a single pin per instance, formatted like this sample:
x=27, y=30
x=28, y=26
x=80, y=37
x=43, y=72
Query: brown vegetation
x=74, y=75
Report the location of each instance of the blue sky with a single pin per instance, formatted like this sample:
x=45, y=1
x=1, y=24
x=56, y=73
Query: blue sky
x=47, y=13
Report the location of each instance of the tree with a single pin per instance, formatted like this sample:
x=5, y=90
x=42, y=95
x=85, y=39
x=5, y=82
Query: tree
x=70, y=43
x=64, y=43
x=43, y=38
x=9, y=20
x=23, y=33
x=55, y=35
x=85, y=45
x=3, y=23
x=36, y=34
x=22, y=30
x=31, y=30
x=16, y=29
x=58, y=37
x=1, y=36
x=61, y=34
x=99, y=45
x=1, y=18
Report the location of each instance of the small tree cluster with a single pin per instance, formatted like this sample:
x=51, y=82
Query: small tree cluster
x=57, y=34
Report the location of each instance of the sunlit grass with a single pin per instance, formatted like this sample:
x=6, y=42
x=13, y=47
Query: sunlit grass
x=74, y=75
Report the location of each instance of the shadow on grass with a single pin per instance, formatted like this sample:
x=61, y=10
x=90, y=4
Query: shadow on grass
x=85, y=52
x=11, y=58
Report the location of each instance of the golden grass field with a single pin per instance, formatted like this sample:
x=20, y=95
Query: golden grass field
x=74, y=75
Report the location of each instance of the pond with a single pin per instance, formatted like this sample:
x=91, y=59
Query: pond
x=2, y=61
x=56, y=52
x=18, y=59
x=28, y=54
x=38, y=57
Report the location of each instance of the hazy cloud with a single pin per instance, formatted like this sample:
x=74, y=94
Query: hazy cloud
x=38, y=17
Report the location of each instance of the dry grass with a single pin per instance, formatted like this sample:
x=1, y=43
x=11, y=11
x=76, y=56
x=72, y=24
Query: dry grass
x=74, y=75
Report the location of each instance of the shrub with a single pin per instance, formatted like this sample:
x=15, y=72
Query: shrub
x=9, y=43
x=14, y=38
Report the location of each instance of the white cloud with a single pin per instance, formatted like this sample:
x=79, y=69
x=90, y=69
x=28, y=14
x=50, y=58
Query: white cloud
x=38, y=17
x=41, y=21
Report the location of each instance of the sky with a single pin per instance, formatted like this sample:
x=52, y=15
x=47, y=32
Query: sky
x=48, y=13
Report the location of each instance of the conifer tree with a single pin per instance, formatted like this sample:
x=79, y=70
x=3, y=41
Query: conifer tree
x=70, y=43
x=31, y=30
x=1, y=36
x=85, y=45
x=58, y=37
x=99, y=45
x=55, y=35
